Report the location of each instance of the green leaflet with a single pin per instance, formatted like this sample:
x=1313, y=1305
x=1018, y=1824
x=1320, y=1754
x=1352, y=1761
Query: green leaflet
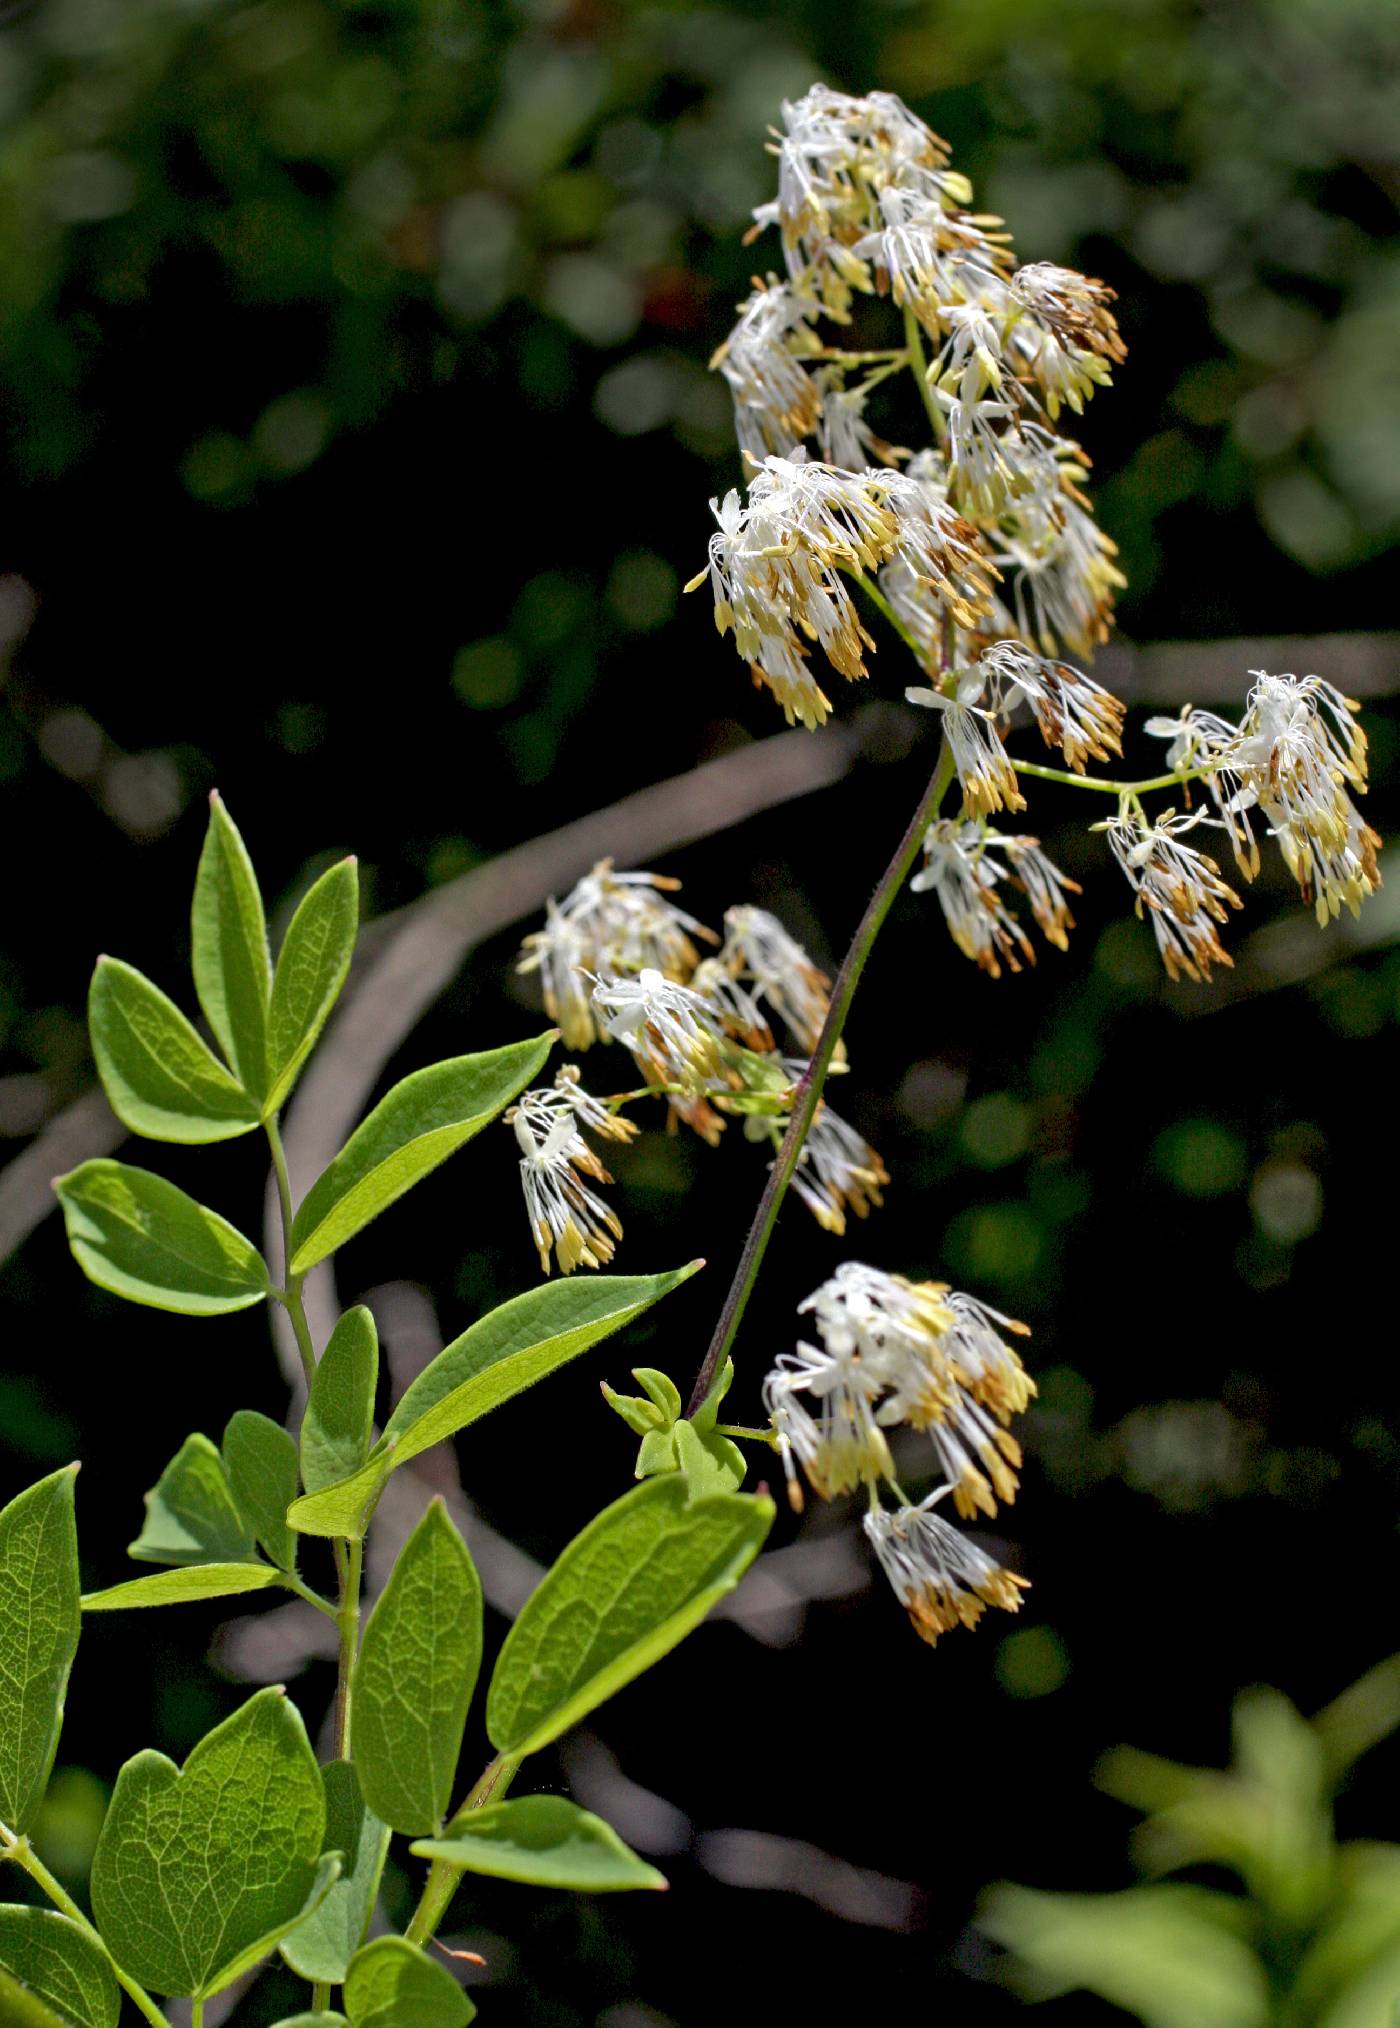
x=335, y=1429
x=392, y=1985
x=39, y=1625
x=60, y=1964
x=311, y=2021
x=19, y=2008
x=161, y=1078
x=499, y=1356
x=200, y=1869
x=311, y=969
x=138, y=1236
x=417, y=1669
x=232, y=968
x=182, y=1587
x=544, y=1841
x=417, y=1125
x=261, y=1461
x=323, y=1945
x=626, y=1590
x=516, y=1345
x=191, y=1513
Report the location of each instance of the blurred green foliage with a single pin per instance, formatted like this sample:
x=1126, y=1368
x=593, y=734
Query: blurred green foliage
x=1309, y=1938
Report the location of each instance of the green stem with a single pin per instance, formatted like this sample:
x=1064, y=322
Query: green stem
x=442, y=1879
x=882, y=605
x=744, y=1434
x=196, y=2013
x=313, y=1598
x=808, y=1091
x=16, y=1847
x=1108, y=788
x=290, y=1296
x=349, y=1621
x=918, y=366
x=321, y=1997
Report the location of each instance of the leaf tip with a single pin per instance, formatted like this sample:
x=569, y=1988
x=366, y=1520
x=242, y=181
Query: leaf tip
x=216, y=801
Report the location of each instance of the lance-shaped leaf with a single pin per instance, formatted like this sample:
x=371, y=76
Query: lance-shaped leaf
x=261, y=1461
x=39, y=1626
x=162, y=1079
x=59, y=1964
x=417, y=1125
x=626, y=1590
x=311, y=969
x=498, y=1357
x=138, y=1236
x=323, y=1945
x=544, y=1841
x=413, y=1682
x=392, y=1985
x=199, y=1867
x=232, y=968
x=335, y=1430
x=191, y=1513
x=183, y=1587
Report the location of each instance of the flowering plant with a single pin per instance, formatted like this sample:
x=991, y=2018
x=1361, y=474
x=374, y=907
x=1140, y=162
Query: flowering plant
x=980, y=553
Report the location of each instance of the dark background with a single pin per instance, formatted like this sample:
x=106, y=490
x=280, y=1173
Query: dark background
x=358, y=440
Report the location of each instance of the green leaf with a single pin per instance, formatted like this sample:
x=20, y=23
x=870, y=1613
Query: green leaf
x=344, y=1509
x=422, y=1121
x=323, y=1945
x=323, y=1884
x=499, y=1356
x=39, y=1625
x=191, y=1513
x=183, y=1587
x=516, y=1345
x=414, y=1680
x=138, y=1236
x=60, y=1963
x=339, y=1418
x=712, y=1464
x=162, y=1079
x=311, y=2021
x=232, y=968
x=261, y=1461
x=546, y=1842
x=626, y=1590
x=311, y=969
x=392, y=1985
x=196, y=1866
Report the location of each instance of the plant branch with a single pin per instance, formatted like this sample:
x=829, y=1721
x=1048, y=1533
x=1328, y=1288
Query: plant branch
x=1106, y=787
x=290, y=1297
x=442, y=1879
x=808, y=1091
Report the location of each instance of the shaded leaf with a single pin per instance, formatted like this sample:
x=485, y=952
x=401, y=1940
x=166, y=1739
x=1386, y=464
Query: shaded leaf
x=422, y=1121
x=232, y=967
x=198, y=1866
x=414, y=1680
x=634, y=1583
x=344, y=1509
x=39, y=1626
x=323, y=1945
x=19, y=2008
x=138, y=1236
x=191, y=1513
x=183, y=1587
x=311, y=2021
x=391, y=1984
x=161, y=1078
x=261, y=1461
x=545, y=1841
x=311, y=969
x=339, y=1418
x=60, y=1963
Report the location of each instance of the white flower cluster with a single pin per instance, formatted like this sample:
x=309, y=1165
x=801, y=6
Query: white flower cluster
x=619, y=962
x=894, y=1353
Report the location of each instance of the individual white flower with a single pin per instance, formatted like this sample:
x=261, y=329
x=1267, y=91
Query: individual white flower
x=981, y=458
x=838, y=1171
x=1045, y=887
x=963, y=875
x=1297, y=750
x=1059, y=563
x=672, y=1029
x=567, y=1218
x=866, y=1314
x=933, y=543
x=970, y=359
x=740, y=1014
x=1066, y=338
x=759, y=949
x=609, y=922
x=777, y=402
x=985, y=773
x=1204, y=740
x=1073, y=712
x=1179, y=888
x=942, y=1579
